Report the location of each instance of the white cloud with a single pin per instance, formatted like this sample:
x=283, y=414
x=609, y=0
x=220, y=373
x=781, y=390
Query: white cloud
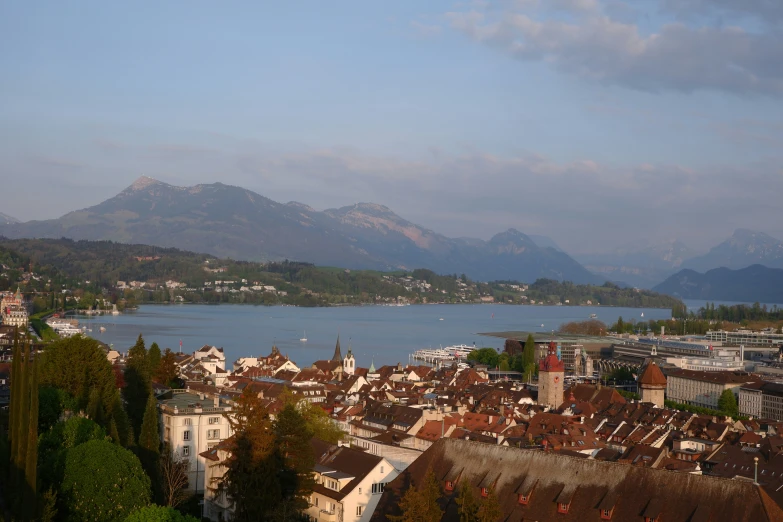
x=676, y=57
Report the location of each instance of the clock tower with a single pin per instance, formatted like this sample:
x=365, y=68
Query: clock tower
x=551, y=373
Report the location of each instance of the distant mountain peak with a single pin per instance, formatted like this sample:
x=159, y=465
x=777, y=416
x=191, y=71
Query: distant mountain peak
x=301, y=206
x=142, y=183
x=6, y=219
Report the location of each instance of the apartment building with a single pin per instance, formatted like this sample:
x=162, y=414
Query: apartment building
x=191, y=424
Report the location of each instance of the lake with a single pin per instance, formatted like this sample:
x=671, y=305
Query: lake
x=385, y=334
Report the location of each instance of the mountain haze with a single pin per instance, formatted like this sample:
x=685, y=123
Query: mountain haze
x=228, y=221
x=750, y=284
x=5, y=219
x=742, y=249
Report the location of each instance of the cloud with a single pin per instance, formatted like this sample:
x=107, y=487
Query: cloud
x=677, y=57
x=770, y=11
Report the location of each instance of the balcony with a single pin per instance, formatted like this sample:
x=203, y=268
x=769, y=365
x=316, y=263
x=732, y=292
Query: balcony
x=327, y=516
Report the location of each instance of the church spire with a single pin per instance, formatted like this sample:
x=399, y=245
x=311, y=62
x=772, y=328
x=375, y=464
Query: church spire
x=338, y=356
x=372, y=366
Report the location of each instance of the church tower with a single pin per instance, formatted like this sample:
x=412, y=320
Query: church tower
x=349, y=363
x=551, y=373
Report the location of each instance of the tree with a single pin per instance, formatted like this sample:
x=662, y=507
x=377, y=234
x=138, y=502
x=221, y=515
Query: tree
x=488, y=356
x=154, y=357
x=138, y=384
x=420, y=504
x=489, y=508
x=22, y=419
x=31, y=459
x=174, y=478
x=468, y=507
x=727, y=403
x=317, y=420
x=13, y=414
x=167, y=369
x=148, y=449
x=53, y=446
x=504, y=366
x=77, y=365
x=120, y=418
x=293, y=441
x=159, y=514
x=529, y=354
x=103, y=482
x=251, y=479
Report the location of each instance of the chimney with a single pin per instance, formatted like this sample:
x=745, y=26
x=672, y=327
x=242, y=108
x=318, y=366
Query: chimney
x=201, y=396
x=756, y=473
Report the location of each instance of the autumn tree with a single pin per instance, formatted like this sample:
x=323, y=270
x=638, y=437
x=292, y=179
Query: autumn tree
x=489, y=508
x=420, y=503
x=251, y=479
x=167, y=369
x=468, y=507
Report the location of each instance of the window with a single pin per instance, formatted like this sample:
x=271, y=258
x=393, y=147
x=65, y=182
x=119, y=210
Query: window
x=186, y=435
x=606, y=514
x=188, y=422
x=213, y=434
x=378, y=487
x=214, y=420
x=484, y=492
x=316, y=501
x=381, y=469
x=449, y=485
x=359, y=510
x=360, y=491
x=523, y=499
x=186, y=451
x=650, y=519
x=562, y=507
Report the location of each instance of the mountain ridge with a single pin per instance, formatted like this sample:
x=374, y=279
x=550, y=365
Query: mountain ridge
x=230, y=221
x=755, y=283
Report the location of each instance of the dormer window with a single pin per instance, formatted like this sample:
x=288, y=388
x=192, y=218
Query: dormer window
x=606, y=514
x=484, y=492
x=449, y=485
x=562, y=507
x=524, y=499
x=650, y=519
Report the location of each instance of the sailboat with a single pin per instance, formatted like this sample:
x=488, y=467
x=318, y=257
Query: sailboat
x=304, y=337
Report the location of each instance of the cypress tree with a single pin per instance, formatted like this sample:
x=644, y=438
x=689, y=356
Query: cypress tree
x=121, y=421
x=149, y=438
x=31, y=461
x=137, y=383
x=23, y=417
x=16, y=377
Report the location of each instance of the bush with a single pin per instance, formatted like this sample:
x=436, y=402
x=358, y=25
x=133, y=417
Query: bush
x=159, y=514
x=103, y=482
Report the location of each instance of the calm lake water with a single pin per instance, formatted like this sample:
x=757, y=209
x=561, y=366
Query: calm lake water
x=387, y=334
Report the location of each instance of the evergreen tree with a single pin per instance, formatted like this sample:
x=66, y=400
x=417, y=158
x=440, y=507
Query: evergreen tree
x=154, y=357
x=727, y=403
x=489, y=508
x=23, y=418
x=148, y=449
x=95, y=406
x=167, y=369
x=121, y=421
x=137, y=383
x=16, y=377
x=149, y=438
x=468, y=507
x=529, y=357
x=31, y=460
x=420, y=504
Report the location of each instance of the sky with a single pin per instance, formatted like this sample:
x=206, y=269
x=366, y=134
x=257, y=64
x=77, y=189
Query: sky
x=601, y=123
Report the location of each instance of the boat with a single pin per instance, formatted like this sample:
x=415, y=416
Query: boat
x=593, y=316
x=102, y=329
x=304, y=337
x=440, y=319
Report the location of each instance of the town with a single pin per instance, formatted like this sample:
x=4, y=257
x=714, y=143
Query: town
x=656, y=410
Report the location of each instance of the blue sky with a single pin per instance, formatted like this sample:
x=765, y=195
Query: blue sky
x=600, y=123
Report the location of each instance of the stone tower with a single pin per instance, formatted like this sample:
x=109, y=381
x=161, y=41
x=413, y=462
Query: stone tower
x=652, y=384
x=349, y=363
x=551, y=373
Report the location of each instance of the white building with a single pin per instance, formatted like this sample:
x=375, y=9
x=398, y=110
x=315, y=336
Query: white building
x=192, y=424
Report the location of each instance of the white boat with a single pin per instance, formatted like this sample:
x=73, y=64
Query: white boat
x=304, y=337
x=440, y=319
x=593, y=316
x=102, y=329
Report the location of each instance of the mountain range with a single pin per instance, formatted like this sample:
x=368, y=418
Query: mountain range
x=229, y=221
x=749, y=284
x=5, y=219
